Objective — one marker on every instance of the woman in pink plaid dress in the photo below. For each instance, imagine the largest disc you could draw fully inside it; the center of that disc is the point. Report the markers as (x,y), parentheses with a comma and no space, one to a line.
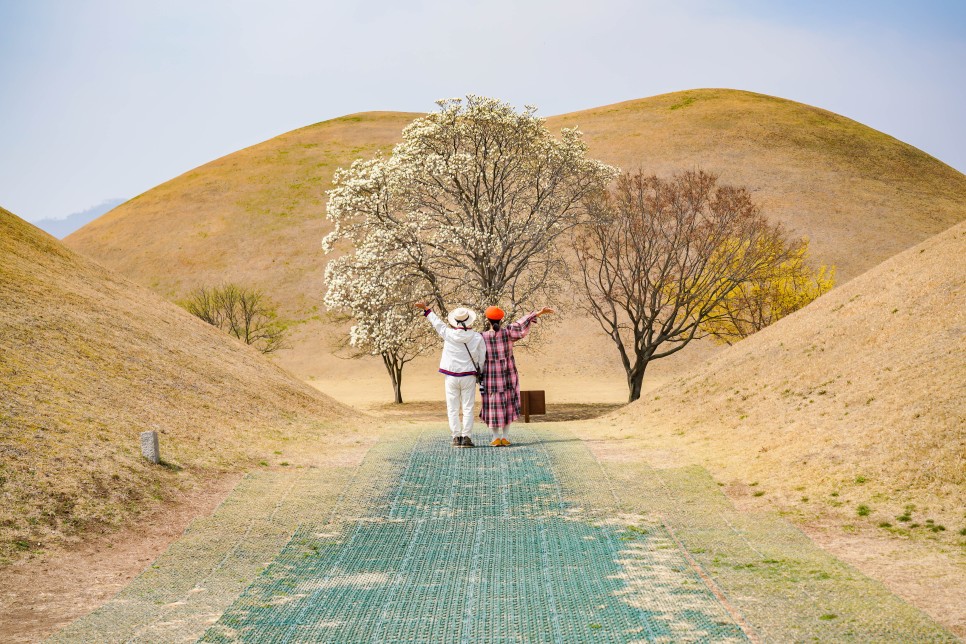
(501,383)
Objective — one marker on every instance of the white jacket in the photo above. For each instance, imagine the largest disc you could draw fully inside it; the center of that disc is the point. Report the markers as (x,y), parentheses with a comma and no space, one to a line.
(456,359)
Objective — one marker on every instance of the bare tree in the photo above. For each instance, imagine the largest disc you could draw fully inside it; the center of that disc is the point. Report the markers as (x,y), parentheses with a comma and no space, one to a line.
(204,303)
(257,323)
(656,257)
(242,312)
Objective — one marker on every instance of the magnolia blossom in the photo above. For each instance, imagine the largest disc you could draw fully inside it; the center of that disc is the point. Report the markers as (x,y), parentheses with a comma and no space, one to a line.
(384,321)
(467,208)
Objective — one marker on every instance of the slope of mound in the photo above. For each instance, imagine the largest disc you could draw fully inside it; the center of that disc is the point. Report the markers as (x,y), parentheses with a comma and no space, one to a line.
(857,399)
(860,195)
(87,361)
(256,216)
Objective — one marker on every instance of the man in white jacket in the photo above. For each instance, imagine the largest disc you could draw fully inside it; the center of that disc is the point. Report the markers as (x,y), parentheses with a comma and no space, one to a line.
(463,354)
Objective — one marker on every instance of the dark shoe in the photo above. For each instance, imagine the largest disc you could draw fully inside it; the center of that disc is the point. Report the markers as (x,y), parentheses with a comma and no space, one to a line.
(457,441)
(468,442)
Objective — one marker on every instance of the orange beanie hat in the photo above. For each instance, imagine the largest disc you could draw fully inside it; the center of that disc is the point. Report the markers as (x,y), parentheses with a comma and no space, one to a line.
(494,313)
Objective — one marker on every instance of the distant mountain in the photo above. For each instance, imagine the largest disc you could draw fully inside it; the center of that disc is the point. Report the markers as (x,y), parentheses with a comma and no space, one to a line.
(60,228)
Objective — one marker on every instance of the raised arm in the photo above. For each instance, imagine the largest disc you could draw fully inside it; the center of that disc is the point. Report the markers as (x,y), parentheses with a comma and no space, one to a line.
(439,326)
(519,329)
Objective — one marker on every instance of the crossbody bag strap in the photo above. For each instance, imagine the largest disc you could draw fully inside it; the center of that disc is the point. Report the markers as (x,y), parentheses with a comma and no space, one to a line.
(475,366)
(479,374)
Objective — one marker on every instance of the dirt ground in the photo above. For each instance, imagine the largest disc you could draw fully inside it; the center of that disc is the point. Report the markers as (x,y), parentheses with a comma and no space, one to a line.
(44,592)
(422,411)
(930,579)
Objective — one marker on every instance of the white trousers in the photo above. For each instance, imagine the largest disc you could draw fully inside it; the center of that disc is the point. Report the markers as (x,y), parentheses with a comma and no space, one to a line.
(460,395)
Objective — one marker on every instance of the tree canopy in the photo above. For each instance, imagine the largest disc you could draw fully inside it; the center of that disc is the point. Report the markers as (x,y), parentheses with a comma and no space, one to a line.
(657,259)
(465,211)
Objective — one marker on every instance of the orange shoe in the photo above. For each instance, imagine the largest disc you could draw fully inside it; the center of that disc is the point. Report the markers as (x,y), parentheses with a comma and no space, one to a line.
(496,442)
(505,442)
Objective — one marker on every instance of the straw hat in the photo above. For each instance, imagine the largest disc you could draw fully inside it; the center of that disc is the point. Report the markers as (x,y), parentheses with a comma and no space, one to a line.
(461,316)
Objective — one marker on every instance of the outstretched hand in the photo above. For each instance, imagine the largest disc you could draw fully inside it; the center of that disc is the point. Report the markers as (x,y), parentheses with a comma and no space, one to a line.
(420,305)
(545,310)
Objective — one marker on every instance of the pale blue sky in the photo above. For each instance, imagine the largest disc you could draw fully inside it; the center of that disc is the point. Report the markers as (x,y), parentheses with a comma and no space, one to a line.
(108,98)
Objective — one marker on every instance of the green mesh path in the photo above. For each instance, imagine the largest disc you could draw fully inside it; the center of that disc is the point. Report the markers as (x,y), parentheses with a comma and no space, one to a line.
(476,545)
(540,542)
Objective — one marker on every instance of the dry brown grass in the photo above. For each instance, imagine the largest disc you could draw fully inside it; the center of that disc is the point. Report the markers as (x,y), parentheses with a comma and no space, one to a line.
(256,216)
(860,195)
(87,361)
(857,399)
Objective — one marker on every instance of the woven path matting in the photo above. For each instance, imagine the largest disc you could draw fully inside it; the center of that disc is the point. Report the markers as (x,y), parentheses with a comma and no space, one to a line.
(476,545)
(534,543)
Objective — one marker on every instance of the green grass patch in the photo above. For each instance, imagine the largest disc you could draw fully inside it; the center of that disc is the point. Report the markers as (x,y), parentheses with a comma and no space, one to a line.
(684,102)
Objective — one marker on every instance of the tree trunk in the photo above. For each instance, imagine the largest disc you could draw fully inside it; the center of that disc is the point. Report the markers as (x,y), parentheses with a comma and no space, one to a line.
(397,385)
(395,368)
(635,378)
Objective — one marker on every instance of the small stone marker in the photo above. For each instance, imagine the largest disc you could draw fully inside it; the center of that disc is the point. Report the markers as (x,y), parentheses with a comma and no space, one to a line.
(532,403)
(149,447)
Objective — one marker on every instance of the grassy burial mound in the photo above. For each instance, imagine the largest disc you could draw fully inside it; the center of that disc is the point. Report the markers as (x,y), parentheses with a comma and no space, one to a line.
(87,361)
(255,217)
(860,195)
(852,405)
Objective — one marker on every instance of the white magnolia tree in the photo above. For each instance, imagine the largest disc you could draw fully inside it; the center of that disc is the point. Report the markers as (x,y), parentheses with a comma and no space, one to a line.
(467,209)
(379,304)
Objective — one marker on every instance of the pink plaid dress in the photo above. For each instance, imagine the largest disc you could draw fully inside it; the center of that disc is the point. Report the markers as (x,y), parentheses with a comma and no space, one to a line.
(501,402)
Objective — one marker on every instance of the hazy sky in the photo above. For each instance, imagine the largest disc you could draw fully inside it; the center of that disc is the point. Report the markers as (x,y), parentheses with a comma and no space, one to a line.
(102,99)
